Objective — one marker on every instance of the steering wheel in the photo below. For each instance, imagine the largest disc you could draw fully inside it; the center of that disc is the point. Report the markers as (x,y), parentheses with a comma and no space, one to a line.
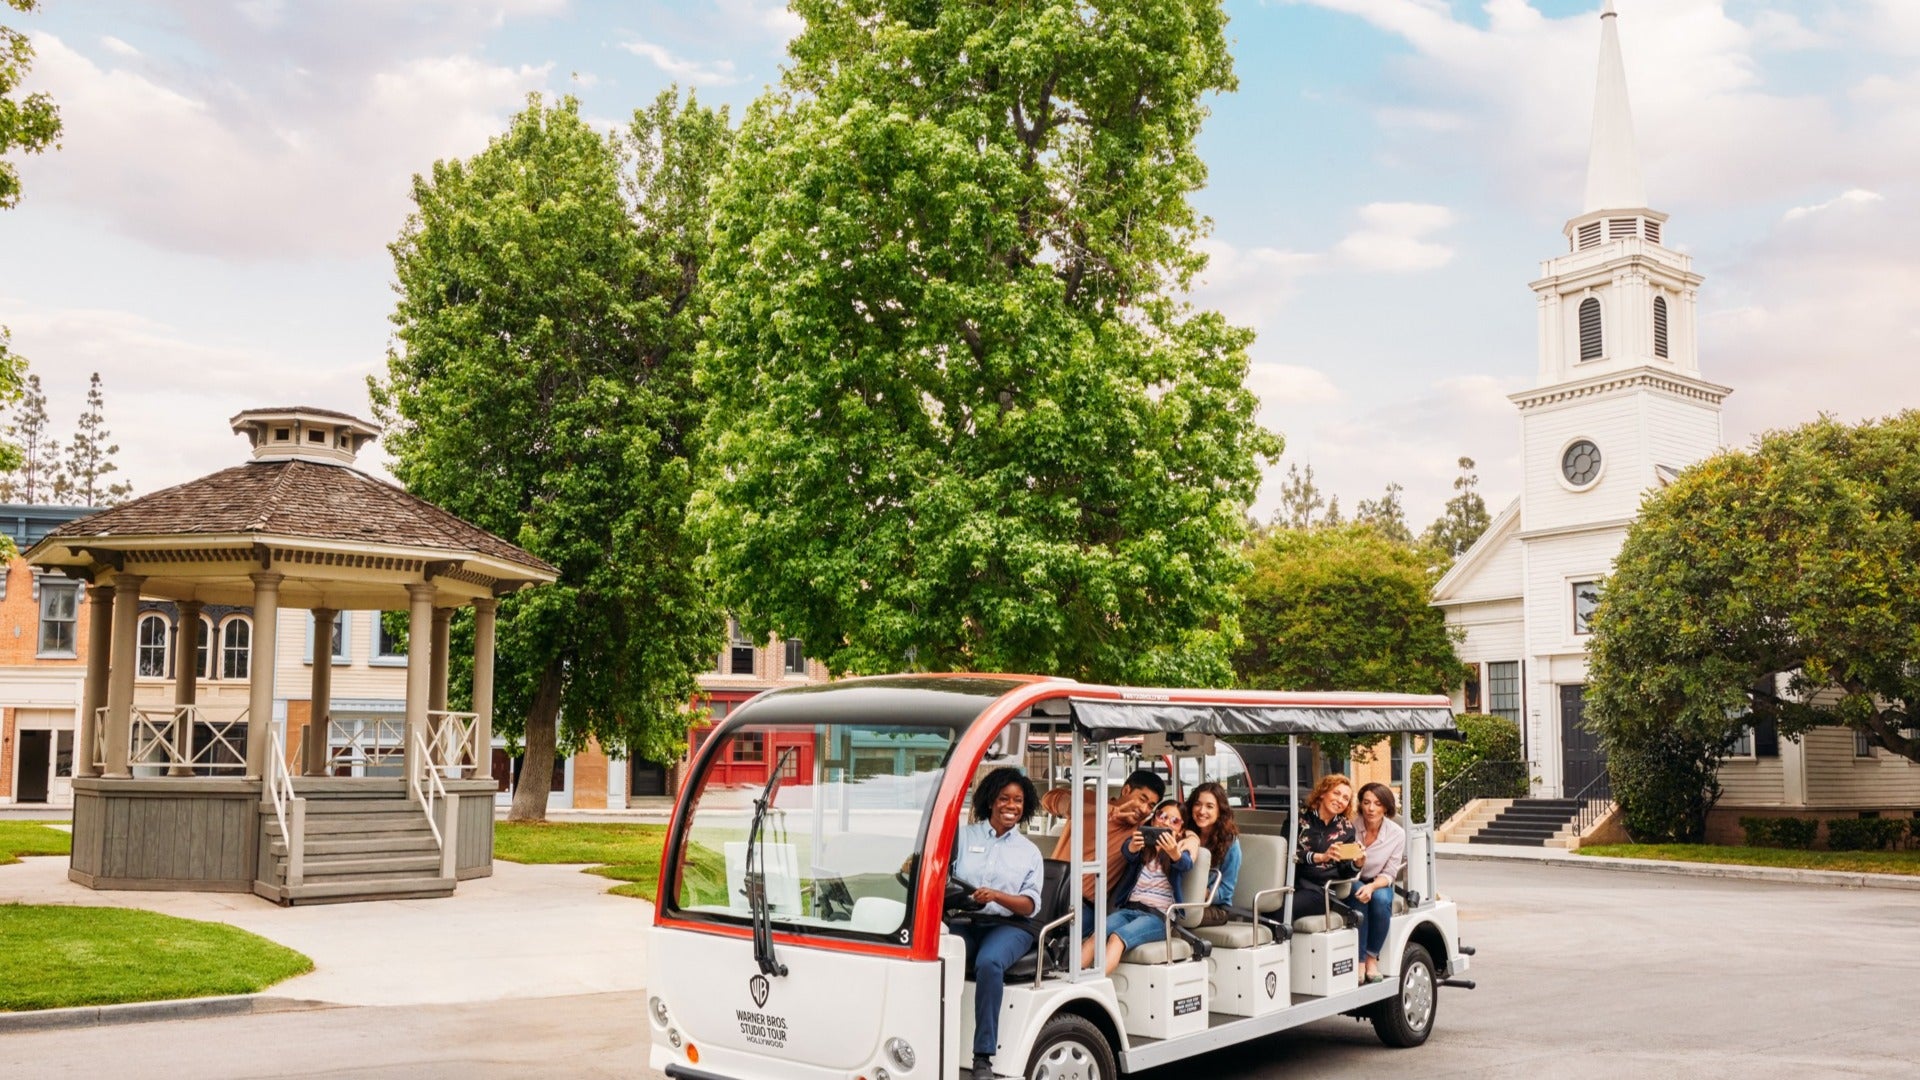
(959,893)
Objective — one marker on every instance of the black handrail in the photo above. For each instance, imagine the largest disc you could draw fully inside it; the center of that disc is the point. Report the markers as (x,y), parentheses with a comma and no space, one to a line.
(1484,779)
(1596,799)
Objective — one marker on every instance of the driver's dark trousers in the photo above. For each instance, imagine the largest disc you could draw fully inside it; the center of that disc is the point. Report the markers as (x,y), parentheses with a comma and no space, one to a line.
(991,950)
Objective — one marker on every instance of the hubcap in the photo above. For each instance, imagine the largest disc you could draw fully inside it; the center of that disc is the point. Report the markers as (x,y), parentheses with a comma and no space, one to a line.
(1068,1060)
(1416,996)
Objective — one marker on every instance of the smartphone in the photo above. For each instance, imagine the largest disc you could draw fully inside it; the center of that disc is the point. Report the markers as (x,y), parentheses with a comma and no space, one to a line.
(1151,834)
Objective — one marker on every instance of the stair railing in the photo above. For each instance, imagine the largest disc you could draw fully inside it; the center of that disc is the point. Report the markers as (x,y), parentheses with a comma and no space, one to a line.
(288,809)
(427,787)
(1484,779)
(1596,800)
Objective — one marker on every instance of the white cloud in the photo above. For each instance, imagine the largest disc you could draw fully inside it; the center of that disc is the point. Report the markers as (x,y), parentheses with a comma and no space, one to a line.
(1390,238)
(1851,197)
(168,396)
(308,165)
(720,73)
(117,47)
(1248,285)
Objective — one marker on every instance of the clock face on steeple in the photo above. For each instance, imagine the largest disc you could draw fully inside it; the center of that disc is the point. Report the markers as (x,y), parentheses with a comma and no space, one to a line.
(1580,463)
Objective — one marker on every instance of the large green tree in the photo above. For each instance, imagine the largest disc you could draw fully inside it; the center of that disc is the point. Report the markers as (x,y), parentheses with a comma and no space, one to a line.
(542,388)
(1344,608)
(90,454)
(1464,518)
(29,124)
(1799,558)
(962,418)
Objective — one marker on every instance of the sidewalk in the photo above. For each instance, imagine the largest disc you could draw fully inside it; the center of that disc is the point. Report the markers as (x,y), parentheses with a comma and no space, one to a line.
(1558,857)
(525,932)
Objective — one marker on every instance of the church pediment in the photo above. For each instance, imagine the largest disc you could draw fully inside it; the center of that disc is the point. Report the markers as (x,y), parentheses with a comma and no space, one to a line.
(1489,570)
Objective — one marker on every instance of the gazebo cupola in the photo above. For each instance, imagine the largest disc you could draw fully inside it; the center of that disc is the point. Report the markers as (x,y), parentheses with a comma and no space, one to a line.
(297,526)
(304,434)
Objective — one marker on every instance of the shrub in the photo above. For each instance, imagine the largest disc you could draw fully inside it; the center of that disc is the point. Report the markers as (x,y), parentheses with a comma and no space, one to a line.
(1664,782)
(1863,834)
(1795,832)
(1785,832)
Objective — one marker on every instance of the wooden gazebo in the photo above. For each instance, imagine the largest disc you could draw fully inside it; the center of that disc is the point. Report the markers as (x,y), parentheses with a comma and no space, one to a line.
(193,798)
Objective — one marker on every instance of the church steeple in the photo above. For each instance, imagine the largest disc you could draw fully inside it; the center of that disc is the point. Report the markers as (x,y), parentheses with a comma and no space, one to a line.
(1613,164)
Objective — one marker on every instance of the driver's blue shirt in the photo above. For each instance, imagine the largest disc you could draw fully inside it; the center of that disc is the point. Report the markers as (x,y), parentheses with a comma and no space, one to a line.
(1007,862)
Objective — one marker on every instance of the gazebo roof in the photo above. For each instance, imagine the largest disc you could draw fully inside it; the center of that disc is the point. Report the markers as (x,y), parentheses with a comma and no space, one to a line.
(297,500)
(340,537)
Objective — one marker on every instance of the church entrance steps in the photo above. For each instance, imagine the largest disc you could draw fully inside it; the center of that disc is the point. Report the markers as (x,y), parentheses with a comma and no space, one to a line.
(1469,818)
(1529,823)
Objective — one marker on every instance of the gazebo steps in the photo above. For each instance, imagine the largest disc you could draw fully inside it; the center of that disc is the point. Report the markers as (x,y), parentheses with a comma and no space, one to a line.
(379,844)
(357,824)
(333,805)
(368,868)
(346,892)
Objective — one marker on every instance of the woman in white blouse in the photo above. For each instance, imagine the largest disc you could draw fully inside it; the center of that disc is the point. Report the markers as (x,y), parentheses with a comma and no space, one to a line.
(1386,846)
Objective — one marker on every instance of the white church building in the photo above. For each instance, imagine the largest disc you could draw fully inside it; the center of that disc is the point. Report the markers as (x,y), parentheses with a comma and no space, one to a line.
(1619,407)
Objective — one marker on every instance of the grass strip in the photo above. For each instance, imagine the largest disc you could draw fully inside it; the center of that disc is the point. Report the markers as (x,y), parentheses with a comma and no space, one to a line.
(19,838)
(628,853)
(57,956)
(1858,862)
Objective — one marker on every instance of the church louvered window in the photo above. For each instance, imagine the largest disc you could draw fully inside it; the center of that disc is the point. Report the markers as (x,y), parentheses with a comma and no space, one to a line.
(1589,235)
(1660,327)
(1590,329)
(1653,231)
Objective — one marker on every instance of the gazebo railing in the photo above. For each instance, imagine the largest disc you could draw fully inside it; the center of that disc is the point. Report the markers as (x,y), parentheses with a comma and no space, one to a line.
(289,811)
(185,736)
(372,743)
(100,740)
(452,741)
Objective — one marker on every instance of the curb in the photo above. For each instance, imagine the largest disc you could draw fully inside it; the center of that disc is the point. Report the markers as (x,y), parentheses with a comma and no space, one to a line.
(1733,871)
(143,1012)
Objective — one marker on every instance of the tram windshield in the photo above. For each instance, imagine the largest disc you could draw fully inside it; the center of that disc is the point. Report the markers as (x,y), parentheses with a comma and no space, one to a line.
(838,840)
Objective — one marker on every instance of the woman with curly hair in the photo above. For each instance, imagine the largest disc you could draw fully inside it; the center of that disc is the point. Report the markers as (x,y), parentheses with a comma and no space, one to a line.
(1006,872)
(1211,817)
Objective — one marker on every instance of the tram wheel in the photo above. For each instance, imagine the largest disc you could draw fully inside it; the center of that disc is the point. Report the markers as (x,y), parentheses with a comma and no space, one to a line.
(1071,1048)
(1407,1018)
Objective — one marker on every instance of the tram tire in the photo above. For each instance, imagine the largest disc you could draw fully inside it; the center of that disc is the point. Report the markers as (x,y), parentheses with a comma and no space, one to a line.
(1406,1019)
(1071,1046)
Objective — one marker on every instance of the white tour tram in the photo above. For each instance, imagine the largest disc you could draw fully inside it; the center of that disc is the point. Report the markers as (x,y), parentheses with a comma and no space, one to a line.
(800,926)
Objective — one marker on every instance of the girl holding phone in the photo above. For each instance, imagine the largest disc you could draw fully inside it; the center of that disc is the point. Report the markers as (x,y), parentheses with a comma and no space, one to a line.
(1156,855)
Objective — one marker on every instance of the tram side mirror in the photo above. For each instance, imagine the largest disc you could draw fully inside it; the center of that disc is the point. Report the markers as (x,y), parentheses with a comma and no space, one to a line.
(1176,743)
(1009,744)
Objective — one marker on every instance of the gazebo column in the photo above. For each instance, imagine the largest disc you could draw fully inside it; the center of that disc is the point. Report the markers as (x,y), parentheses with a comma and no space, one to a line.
(442,634)
(483,614)
(94,693)
(419,672)
(119,732)
(186,683)
(266,628)
(319,733)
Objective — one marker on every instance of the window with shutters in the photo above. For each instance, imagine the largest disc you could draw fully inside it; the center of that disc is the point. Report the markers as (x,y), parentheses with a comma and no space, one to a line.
(1660,327)
(1590,341)
(1589,235)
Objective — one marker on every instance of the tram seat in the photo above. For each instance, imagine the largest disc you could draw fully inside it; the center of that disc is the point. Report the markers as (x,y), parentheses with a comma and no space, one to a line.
(1263,872)
(1193,894)
(1057,897)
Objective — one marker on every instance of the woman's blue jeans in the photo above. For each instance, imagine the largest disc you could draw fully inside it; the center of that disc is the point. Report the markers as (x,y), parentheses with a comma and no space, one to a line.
(1136,928)
(1375,914)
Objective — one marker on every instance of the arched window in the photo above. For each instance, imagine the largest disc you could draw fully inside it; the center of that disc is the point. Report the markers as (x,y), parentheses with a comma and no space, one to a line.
(203,656)
(236,647)
(1590,328)
(1660,327)
(151,659)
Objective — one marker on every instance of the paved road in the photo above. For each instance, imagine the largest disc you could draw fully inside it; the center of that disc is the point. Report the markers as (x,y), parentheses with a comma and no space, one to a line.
(1582,974)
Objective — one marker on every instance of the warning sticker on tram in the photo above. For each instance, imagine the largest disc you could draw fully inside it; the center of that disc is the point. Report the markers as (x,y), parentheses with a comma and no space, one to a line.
(1185,1005)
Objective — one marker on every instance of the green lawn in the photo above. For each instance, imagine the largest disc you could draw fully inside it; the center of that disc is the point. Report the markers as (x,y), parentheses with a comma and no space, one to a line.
(19,838)
(626,853)
(57,956)
(1869,862)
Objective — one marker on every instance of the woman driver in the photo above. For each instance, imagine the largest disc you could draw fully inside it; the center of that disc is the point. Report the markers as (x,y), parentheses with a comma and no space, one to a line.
(1006,871)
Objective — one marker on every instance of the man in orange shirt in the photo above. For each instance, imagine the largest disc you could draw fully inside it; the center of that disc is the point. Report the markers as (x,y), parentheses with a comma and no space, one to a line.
(1125,812)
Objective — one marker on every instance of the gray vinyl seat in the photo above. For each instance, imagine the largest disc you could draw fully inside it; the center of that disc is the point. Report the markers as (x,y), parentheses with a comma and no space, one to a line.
(1193,891)
(1263,872)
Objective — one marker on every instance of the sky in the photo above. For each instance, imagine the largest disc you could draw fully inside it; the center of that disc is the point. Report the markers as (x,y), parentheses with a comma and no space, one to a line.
(211,235)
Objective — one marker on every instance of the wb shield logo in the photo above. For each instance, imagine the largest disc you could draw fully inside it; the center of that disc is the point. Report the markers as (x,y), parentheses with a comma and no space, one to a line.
(1273,984)
(759,986)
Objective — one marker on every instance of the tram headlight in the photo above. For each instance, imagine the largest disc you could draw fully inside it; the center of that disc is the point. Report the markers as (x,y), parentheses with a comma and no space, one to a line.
(659,1010)
(902,1054)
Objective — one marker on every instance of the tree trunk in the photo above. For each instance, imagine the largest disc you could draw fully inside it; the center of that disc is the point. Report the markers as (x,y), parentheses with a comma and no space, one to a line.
(536,768)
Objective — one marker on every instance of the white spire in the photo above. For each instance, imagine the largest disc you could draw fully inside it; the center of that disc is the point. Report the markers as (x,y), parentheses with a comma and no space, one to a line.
(1613,165)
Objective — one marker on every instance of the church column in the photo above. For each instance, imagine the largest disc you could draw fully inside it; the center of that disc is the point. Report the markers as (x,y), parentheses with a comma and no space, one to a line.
(483,616)
(119,731)
(186,684)
(94,693)
(260,668)
(419,671)
(320,705)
